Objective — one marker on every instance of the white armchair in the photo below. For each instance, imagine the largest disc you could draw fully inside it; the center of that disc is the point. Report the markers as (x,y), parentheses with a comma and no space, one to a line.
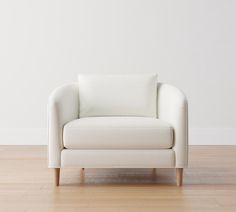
(83,133)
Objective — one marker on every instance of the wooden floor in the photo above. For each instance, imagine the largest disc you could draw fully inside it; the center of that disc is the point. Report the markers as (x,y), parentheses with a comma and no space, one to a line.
(26,184)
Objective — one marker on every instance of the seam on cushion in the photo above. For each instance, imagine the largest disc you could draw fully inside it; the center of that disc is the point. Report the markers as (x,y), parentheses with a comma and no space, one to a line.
(105,127)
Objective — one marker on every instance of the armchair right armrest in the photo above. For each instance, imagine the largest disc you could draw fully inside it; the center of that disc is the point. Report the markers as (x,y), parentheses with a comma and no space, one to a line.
(172,107)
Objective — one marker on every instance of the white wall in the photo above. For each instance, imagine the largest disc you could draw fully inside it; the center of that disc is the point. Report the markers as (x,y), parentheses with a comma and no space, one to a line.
(191,44)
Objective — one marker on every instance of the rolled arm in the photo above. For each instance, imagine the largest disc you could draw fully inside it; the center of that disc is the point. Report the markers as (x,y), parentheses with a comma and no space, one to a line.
(63,106)
(172,107)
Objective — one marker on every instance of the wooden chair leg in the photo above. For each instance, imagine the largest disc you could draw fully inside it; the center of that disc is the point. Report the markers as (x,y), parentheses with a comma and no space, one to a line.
(56,176)
(179,176)
(154,171)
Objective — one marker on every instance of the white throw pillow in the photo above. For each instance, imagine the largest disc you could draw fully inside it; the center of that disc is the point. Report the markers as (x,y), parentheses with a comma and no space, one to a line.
(118,95)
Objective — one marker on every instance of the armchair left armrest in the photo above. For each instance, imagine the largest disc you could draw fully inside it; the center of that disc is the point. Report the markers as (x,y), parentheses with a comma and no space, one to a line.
(63,107)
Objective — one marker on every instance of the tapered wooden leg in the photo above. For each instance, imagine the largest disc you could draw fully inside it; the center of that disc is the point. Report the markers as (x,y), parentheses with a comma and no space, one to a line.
(56,176)
(179,176)
(154,171)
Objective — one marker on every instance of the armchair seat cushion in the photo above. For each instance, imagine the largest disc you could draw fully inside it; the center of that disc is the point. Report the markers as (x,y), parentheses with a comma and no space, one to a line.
(118,133)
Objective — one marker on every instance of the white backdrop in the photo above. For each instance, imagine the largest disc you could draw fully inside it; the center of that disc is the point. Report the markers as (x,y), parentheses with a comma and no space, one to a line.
(191,44)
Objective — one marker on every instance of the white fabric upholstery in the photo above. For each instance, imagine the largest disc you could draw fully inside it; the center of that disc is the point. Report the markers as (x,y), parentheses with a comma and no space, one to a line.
(172,108)
(117,95)
(63,107)
(118,158)
(118,133)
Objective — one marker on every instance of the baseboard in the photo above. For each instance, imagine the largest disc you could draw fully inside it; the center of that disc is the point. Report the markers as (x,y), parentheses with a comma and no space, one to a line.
(212,136)
(197,136)
(23,136)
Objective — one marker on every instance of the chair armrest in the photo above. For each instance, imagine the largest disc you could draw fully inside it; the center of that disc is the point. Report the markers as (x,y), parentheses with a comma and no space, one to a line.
(63,106)
(172,107)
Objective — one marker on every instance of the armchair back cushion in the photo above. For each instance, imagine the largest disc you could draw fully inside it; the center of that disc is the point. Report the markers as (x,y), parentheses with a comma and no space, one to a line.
(118,95)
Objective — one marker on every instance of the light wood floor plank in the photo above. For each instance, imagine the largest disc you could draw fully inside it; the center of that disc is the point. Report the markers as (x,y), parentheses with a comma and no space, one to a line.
(26,184)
